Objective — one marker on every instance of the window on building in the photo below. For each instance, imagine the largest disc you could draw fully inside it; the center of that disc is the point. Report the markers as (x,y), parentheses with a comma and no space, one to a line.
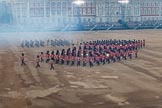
(157,10)
(75,11)
(23,9)
(37,9)
(64,8)
(89,20)
(149,11)
(88,4)
(84,11)
(93,11)
(93,4)
(47,9)
(76,20)
(69,11)
(64,11)
(100,20)
(59,21)
(107,9)
(53,8)
(93,20)
(148,18)
(59,8)
(145,11)
(24,12)
(69,20)
(100,11)
(89,11)
(84,20)
(64,4)
(144,18)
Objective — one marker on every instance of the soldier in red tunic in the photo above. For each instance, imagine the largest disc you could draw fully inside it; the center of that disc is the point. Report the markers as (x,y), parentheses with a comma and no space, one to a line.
(67,59)
(112,54)
(37,61)
(103,59)
(108,58)
(57,56)
(72,60)
(130,54)
(52,64)
(143,43)
(63,56)
(118,55)
(47,57)
(84,61)
(136,52)
(22,60)
(98,59)
(42,57)
(91,61)
(78,61)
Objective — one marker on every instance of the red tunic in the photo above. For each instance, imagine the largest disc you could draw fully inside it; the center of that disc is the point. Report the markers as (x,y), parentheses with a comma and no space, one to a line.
(78,58)
(84,59)
(91,59)
(98,58)
(47,56)
(52,55)
(72,58)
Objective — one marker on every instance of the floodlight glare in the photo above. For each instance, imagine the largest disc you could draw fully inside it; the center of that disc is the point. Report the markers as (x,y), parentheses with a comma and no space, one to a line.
(79,2)
(123,1)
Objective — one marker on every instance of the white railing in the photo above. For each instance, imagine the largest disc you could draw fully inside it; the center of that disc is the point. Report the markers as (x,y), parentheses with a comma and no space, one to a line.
(110,27)
(93,28)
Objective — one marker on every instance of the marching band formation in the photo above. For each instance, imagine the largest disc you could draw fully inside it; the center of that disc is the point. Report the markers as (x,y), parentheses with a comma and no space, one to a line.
(93,53)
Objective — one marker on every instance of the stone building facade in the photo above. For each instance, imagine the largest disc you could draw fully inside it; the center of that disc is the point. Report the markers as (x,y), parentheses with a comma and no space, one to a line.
(64,12)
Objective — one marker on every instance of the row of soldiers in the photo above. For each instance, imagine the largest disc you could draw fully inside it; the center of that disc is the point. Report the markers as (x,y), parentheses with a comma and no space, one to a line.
(31,43)
(41,43)
(93,52)
(59,42)
(38,60)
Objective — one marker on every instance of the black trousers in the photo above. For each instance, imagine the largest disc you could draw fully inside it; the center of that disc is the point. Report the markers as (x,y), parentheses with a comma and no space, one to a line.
(62,61)
(47,60)
(84,63)
(78,63)
(42,60)
(90,64)
(22,63)
(72,63)
(52,67)
(38,65)
(98,62)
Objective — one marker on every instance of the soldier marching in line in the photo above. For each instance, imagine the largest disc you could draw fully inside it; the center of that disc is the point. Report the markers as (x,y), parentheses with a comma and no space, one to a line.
(103,59)
(98,60)
(52,64)
(42,57)
(136,52)
(130,54)
(108,58)
(78,61)
(37,61)
(22,59)
(91,61)
(143,43)
(78,56)
(84,61)
(57,56)
(47,57)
